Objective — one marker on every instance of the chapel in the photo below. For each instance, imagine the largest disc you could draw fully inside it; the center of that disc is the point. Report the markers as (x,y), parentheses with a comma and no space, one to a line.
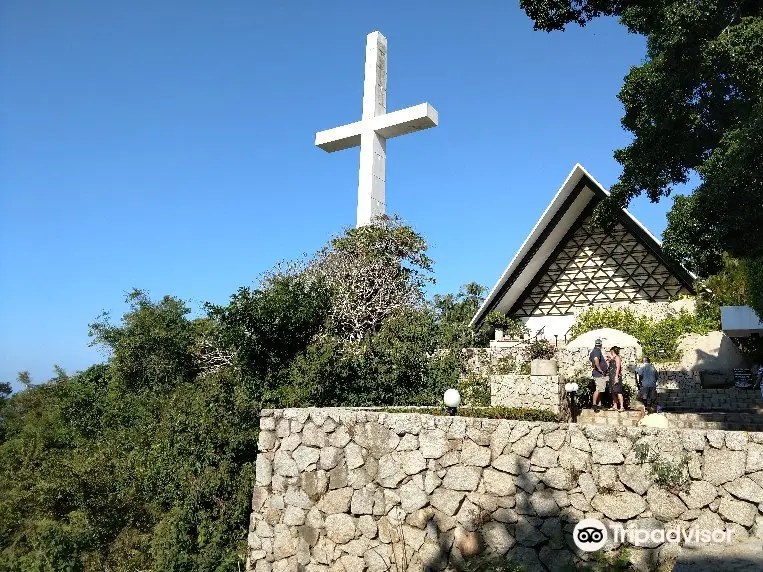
(567,264)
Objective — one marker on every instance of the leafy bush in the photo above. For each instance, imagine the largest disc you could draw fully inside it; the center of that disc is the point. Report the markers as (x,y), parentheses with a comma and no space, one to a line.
(658,339)
(475,389)
(505,365)
(540,349)
(491,563)
(512,326)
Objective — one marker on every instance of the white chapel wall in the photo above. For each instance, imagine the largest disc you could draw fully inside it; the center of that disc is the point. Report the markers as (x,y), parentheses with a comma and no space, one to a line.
(549,326)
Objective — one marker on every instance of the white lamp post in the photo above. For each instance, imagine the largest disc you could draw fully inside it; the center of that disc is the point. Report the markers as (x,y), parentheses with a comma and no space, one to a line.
(452,400)
(571,389)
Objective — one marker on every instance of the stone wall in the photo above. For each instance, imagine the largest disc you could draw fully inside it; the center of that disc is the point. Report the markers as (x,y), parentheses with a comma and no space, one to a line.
(672,375)
(354,490)
(485,360)
(533,391)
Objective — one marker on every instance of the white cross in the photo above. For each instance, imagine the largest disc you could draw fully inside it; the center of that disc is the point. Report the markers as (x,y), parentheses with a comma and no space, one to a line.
(373,130)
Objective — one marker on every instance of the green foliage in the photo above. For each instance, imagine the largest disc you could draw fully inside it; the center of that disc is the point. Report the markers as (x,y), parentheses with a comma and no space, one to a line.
(540,349)
(754,268)
(586,387)
(659,339)
(667,474)
(267,328)
(454,313)
(694,106)
(5,393)
(688,240)
(475,389)
(727,287)
(490,563)
(505,365)
(152,347)
(602,562)
(146,462)
(512,327)
(738,283)
(398,365)
(97,475)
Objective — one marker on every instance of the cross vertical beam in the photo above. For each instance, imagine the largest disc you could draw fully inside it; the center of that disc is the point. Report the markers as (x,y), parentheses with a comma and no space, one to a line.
(373,130)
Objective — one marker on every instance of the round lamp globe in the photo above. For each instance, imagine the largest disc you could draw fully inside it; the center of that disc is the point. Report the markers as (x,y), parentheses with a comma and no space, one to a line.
(452,398)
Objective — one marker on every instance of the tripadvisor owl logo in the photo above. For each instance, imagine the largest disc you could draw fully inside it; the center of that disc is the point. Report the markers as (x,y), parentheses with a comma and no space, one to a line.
(589,535)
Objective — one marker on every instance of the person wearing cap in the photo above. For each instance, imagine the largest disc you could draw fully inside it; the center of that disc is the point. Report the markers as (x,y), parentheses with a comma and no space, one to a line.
(615,371)
(599,373)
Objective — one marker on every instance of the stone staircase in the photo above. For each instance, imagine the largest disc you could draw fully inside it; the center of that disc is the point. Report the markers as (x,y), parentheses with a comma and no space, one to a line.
(729,409)
(725,400)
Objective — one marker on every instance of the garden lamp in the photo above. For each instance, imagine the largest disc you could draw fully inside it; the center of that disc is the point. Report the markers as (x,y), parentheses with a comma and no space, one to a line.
(571,389)
(452,400)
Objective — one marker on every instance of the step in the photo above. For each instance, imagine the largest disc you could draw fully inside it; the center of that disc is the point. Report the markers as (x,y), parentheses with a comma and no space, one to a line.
(735,421)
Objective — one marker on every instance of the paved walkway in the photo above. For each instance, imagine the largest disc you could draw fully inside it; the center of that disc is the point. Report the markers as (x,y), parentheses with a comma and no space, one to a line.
(741,557)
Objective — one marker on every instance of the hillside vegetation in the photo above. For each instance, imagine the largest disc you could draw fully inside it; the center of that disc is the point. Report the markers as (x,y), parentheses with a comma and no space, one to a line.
(146,462)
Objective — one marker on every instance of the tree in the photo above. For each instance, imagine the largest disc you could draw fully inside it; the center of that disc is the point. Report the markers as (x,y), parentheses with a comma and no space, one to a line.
(373,271)
(153,346)
(454,312)
(695,105)
(264,329)
(5,393)
(690,241)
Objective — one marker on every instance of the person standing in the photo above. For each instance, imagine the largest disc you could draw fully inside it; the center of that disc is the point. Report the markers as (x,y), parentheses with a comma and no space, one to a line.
(599,373)
(647,382)
(615,371)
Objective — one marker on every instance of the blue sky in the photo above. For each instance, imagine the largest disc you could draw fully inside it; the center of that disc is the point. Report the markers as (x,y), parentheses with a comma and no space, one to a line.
(169,145)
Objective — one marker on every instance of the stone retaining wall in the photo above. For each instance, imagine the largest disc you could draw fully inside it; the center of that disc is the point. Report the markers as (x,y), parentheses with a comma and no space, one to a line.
(352,490)
(532,391)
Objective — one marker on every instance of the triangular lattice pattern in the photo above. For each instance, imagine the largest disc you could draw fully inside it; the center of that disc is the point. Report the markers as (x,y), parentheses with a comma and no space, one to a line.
(596,266)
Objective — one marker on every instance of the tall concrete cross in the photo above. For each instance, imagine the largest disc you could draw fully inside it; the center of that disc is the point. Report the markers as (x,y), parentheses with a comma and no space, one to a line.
(373,130)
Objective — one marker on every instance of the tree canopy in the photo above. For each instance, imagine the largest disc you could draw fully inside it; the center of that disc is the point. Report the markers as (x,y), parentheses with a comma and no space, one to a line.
(694,106)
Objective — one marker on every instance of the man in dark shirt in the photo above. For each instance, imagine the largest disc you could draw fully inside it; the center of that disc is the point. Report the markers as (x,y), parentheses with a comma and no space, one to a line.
(599,373)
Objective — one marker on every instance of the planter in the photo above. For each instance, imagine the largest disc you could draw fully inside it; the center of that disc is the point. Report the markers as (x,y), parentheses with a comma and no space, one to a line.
(543,367)
(498,335)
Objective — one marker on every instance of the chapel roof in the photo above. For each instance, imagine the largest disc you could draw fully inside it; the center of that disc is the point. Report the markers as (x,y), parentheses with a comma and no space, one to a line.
(564,243)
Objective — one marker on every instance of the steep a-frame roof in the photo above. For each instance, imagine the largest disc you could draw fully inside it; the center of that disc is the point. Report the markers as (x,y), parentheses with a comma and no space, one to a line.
(566,214)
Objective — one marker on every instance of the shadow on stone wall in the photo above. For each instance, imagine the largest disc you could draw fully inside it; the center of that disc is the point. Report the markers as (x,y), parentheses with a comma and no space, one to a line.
(351,490)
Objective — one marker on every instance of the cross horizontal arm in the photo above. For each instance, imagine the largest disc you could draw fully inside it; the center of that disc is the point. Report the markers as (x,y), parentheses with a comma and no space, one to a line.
(339,138)
(389,125)
(408,120)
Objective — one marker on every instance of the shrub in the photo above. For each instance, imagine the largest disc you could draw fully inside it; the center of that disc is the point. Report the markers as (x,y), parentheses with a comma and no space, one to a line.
(540,349)
(475,389)
(505,365)
(658,338)
(512,326)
